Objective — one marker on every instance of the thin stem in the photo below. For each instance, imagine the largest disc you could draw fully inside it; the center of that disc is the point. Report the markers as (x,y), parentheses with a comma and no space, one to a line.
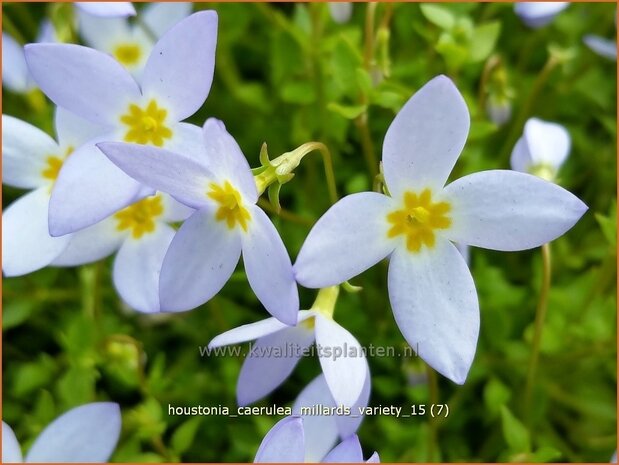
(366,143)
(362,120)
(525,110)
(540,316)
(432,434)
(327,161)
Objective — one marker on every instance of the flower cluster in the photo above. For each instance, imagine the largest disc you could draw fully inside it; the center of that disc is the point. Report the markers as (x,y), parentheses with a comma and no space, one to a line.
(125,170)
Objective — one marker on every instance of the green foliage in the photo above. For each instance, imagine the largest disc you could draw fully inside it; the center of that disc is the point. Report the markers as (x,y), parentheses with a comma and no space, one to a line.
(287,74)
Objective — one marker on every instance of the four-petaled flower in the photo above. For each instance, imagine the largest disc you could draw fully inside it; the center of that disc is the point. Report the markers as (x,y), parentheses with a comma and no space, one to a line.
(279,348)
(88,433)
(31,159)
(430,286)
(285,443)
(129,43)
(542,149)
(175,82)
(207,247)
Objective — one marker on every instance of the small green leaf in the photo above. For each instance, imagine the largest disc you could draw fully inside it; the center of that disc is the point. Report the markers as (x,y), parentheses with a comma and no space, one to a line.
(347,111)
(484,40)
(515,433)
(438,15)
(298,92)
(545,454)
(184,435)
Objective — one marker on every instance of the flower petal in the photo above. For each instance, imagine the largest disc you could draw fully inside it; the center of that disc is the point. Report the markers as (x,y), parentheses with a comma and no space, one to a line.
(89,188)
(25,149)
(348,239)
(201,258)
(603,47)
(507,210)
(549,143)
(180,66)
(169,172)
(348,425)
(340,11)
(15,75)
(520,159)
(88,433)
(283,443)
(188,141)
(26,243)
(137,268)
(270,362)
(226,160)
(47,33)
(107,9)
(11,451)
(85,81)
(91,244)
(345,368)
(435,306)
(425,138)
(159,17)
(73,131)
(321,431)
(348,451)
(537,14)
(374,458)
(268,268)
(173,210)
(103,32)
(254,331)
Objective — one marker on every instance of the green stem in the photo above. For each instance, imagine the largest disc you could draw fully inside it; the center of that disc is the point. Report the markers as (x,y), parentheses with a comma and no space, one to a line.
(540,316)
(525,110)
(361,121)
(326,300)
(432,433)
(285,214)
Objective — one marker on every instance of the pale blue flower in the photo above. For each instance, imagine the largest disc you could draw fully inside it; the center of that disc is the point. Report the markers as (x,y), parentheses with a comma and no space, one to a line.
(542,149)
(15,74)
(279,348)
(340,11)
(131,43)
(31,159)
(603,47)
(175,82)
(538,14)
(431,289)
(285,443)
(216,180)
(322,432)
(107,9)
(88,433)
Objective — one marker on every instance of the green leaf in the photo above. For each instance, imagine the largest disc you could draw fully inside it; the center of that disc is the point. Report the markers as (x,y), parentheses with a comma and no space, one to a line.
(347,111)
(484,40)
(515,433)
(481,129)
(438,15)
(608,225)
(16,312)
(184,435)
(545,454)
(298,92)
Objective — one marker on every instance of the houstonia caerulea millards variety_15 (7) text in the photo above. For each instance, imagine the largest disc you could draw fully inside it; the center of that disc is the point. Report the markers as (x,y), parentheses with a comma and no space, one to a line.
(279,348)
(173,85)
(431,289)
(285,443)
(88,433)
(218,183)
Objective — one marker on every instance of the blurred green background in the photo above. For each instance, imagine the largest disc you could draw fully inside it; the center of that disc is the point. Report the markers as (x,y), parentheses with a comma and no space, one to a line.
(287,74)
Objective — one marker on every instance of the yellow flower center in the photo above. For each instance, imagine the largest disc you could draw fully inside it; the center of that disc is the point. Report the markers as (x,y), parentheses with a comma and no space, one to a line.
(128,54)
(146,125)
(231,209)
(53,165)
(418,220)
(140,217)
